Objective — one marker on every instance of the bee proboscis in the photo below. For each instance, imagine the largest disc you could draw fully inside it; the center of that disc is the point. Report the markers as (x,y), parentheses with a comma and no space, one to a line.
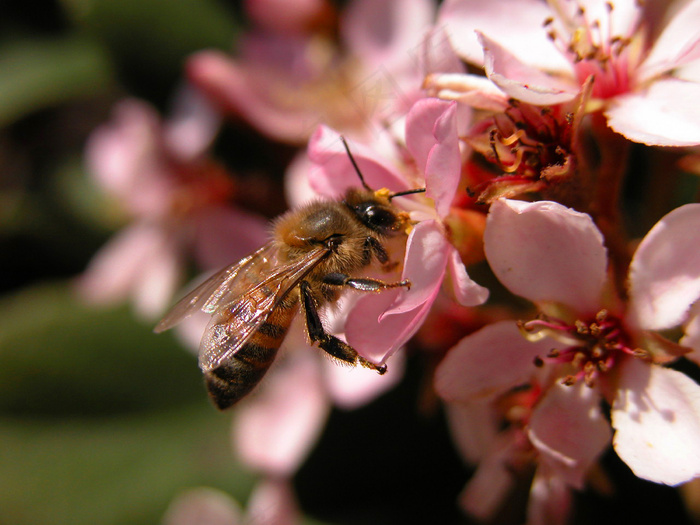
(313,255)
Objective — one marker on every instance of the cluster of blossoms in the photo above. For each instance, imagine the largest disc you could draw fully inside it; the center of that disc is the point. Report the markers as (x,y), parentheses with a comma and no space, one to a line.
(518,117)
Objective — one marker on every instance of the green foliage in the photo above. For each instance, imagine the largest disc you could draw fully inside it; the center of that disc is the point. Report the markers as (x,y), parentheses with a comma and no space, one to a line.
(154,36)
(42,72)
(60,356)
(97,421)
(112,470)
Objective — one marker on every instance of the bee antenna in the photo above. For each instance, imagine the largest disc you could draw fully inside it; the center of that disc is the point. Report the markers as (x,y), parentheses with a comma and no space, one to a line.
(407,192)
(354,164)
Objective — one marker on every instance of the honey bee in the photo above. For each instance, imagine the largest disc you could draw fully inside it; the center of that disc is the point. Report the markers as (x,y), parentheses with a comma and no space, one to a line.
(313,254)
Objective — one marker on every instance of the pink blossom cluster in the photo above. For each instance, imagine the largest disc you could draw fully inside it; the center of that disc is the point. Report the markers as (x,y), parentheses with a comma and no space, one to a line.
(519,118)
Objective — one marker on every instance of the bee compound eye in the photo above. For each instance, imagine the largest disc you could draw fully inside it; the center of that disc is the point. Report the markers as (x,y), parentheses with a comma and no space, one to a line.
(376,216)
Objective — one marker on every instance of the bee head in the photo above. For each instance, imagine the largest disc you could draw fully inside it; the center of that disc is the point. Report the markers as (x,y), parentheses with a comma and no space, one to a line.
(374,211)
(374,208)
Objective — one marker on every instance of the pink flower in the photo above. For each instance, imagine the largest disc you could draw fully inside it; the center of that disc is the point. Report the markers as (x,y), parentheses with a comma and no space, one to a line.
(527,148)
(381,323)
(281,16)
(272,503)
(175,197)
(286,84)
(275,428)
(643,57)
(555,257)
(501,421)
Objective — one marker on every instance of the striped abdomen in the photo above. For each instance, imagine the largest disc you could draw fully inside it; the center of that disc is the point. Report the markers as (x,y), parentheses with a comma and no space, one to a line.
(235,378)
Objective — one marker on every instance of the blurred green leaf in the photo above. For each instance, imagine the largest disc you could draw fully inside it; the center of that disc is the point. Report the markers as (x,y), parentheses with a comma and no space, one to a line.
(113,471)
(40,73)
(58,355)
(155,35)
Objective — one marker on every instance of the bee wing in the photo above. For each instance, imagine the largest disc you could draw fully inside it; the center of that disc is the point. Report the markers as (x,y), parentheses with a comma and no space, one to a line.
(234,324)
(222,286)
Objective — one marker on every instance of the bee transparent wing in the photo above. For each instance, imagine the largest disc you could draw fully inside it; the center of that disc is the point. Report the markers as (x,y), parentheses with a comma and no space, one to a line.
(220,286)
(234,324)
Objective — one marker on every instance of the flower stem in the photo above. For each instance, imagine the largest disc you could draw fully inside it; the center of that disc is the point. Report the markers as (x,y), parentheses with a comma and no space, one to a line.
(614,152)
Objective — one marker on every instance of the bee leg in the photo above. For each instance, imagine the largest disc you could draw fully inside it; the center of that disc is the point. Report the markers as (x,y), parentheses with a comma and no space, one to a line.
(374,247)
(362,284)
(327,342)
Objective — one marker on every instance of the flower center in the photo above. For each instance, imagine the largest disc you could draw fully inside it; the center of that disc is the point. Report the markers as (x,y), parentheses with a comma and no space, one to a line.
(531,145)
(592,46)
(593,347)
(526,140)
(199,185)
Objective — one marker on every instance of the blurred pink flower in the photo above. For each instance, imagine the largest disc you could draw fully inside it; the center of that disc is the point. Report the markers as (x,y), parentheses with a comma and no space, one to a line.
(555,257)
(284,17)
(691,339)
(643,57)
(271,503)
(275,428)
(175,197)
(379,324)
(286,84)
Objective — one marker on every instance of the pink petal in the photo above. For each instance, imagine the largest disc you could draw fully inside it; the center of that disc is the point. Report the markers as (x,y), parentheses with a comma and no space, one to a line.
(191,330)
(472,90)
(518,28)
(127,158)
(492,481)
(473,428)
(353,387)
(466,291)
(550,499)
(282,16)
(115,151)
(567,425)
(141,261)
(224,235)
(233,87)
(622,20)
(378,340)
(276,428)
(427,253)
(333,173)
(297,187)
(656,416)
(691,338)
(385,33)
(678,43)
(112,272)
(273,503)
(203,506)
(489,362)
(158,279)
(691,72)
(420,126)
(437,56)
(431,137)
(193,125)
(665,271)
(544,251)
(522,81)
(664,114)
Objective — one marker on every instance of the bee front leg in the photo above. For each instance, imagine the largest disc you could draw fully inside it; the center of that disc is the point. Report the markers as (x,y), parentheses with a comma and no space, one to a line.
(327,342)
(362,284)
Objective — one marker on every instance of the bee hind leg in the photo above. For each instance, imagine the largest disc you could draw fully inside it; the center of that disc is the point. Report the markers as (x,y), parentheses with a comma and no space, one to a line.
(327,342)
